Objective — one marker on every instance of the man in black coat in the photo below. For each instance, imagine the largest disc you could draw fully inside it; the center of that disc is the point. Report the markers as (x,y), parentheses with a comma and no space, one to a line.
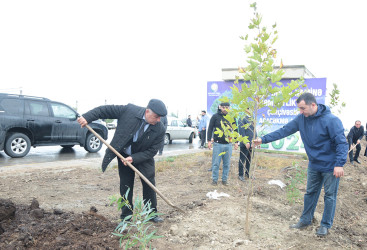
(355,136)
(188,121)
(138,135)
(245,149)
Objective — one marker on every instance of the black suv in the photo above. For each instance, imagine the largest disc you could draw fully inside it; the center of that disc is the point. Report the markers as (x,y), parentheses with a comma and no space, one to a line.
(27,121)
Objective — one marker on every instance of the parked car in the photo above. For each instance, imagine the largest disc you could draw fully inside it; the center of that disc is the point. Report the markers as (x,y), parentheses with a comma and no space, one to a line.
(27,121)
(176,130)
(112,125)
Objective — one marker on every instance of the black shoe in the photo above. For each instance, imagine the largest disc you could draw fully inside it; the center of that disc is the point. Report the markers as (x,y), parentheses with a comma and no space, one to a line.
(241,178)
(214,183)
(157,219)
(323,231)
(356,160)
(225,183)
(299,225)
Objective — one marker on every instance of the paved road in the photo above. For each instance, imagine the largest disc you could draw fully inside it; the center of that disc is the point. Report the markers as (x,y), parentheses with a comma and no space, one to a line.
(57,153)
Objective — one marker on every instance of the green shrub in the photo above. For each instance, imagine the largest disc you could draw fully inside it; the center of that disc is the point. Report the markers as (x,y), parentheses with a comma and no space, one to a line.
(135,228)
(298,178)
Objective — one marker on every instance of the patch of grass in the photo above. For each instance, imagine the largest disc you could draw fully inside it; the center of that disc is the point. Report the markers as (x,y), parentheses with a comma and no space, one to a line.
(297,178)
(180,162)
(170,159)
(282,152)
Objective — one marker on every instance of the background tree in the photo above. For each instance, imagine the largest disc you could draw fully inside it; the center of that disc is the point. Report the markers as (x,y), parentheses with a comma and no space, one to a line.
(258,89)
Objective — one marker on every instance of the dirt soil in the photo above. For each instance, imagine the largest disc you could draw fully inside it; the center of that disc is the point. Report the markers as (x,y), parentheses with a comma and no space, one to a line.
(65,206)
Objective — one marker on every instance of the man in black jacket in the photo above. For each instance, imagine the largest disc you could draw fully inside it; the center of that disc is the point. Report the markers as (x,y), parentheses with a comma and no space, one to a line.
(138,135)
(188,121)
(222,149)
(355,136)
(245,149)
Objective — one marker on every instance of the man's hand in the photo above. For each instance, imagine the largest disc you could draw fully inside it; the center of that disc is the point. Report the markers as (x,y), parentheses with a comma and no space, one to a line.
(358,141)
(82,121)
(235,146)
(128,159)
(338,172)
(209,145)
(248,146)
(257,141)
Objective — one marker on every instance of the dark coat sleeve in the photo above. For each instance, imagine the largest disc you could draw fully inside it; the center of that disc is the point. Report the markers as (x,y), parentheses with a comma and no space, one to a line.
(211,127)
(104,112)
(362,133)
(249,132)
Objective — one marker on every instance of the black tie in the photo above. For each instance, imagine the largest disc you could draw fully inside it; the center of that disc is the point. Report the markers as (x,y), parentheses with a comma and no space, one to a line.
(141,130)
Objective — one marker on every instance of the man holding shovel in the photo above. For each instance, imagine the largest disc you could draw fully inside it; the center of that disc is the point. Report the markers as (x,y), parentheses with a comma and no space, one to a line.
(137,138)
(355,136)
(323,136)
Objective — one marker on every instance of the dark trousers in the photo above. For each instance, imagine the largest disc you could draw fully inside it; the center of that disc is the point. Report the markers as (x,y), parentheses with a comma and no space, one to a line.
(356,155)
(203,137)
(127,176)
(245,158)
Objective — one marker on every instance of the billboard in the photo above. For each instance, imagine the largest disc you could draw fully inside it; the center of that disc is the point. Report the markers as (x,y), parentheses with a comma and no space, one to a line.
(317,86)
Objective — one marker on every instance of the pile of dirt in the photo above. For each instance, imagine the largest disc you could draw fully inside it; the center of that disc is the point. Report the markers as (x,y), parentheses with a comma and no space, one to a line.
(35,228)
(67,208)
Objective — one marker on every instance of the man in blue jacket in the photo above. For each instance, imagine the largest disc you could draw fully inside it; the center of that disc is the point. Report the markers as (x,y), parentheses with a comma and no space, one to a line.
(323,136)
(202,128)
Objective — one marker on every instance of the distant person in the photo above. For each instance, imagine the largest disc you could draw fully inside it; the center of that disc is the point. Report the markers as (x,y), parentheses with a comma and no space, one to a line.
(323,136)
(355,136)
(220,144)
(188,121)
(245,149)
(203,121)
(138,136)
(165,124)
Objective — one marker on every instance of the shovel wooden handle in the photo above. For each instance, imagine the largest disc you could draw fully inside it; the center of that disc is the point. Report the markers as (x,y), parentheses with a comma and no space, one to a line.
(133,168)
(353,147)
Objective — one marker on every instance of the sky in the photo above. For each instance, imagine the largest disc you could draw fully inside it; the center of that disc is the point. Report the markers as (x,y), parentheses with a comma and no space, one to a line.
(88,53)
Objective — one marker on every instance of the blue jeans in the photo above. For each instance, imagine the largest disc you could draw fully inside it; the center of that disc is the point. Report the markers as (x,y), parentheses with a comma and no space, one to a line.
(219,148)
(315,181)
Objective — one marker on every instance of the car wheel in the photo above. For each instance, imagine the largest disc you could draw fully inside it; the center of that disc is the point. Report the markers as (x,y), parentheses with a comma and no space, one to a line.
(17,145)
(92,144)
(67,146)
(166,139)
(190,138)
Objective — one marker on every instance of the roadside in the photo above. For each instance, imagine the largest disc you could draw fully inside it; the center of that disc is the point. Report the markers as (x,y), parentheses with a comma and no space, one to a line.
(68,195)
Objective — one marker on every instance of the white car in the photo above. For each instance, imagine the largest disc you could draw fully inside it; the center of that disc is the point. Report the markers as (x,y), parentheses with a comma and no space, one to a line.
(112,125)
(176,130)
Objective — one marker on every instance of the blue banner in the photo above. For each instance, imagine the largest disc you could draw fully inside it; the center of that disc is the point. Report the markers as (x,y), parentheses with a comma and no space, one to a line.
(317,86)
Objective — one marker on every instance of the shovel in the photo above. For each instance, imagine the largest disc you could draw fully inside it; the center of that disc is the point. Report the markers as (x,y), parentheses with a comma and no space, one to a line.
(133,168)
(353,147)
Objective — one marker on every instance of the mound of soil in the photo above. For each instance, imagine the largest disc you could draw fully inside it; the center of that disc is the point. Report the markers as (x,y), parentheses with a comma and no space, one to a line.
(67,207)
